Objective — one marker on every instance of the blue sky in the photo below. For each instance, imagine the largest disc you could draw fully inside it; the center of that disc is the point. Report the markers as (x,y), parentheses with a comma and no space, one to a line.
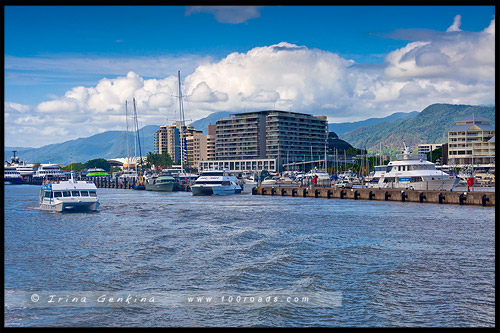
(51,50)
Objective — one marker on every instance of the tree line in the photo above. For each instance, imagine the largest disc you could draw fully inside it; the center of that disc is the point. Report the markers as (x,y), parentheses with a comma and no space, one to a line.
(158,161)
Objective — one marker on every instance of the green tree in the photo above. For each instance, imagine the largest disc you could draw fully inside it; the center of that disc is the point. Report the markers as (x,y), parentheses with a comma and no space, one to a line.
(434,155)
(98,163)
(77,167)
(158,160)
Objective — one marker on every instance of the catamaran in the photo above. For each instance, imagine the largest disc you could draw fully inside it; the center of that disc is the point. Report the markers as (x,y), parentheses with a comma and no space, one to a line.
(59,196)
(216,182)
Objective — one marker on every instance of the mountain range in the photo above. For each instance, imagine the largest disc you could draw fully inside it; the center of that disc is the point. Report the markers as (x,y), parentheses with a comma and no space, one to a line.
(431,125)
(428,126)
(341,128)
(110,144)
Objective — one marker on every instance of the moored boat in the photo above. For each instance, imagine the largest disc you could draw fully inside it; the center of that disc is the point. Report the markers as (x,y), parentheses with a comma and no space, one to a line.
(11,175)
(216,182)
(49,171)
(96,172)
(163,183)
(413,171)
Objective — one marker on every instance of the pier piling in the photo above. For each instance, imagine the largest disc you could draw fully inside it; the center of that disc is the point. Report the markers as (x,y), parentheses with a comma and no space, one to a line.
(486,199)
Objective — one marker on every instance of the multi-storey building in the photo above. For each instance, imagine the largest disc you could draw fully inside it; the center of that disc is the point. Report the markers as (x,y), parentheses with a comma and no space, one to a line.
(271,137)
(425,148)
(168,140)
(210,153)
(471,142)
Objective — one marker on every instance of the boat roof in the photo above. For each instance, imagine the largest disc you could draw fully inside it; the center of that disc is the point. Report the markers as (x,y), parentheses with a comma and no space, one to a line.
(165,177)
(69,185)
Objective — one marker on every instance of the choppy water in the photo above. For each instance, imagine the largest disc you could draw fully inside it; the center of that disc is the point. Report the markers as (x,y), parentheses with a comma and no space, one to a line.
(394,264)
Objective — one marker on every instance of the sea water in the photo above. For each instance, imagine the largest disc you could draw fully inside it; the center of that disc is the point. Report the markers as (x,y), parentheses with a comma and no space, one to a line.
(173,259)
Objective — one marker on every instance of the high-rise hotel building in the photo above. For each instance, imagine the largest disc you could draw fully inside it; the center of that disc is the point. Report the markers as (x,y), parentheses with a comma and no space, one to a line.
(167,140)
(272,137)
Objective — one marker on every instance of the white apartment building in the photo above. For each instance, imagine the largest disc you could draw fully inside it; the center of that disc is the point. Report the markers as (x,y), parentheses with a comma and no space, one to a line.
(472,142)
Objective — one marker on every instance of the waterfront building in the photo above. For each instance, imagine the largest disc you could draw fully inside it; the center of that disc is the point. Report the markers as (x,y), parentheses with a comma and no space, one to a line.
(210,153)
(472,142)
(271,135)
(168,140)
(240,165)
(425,148)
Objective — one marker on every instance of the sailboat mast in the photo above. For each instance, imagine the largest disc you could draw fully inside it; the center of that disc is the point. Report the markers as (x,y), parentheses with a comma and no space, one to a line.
(181,115)
(126,121)
(137,136)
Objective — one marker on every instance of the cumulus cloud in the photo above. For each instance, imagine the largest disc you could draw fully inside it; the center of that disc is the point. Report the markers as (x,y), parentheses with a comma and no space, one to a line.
(450,67)
(227,14)
(456,24)
(203,93)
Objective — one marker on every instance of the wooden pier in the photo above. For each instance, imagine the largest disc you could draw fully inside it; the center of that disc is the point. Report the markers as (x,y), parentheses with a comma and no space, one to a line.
(108,182)
(478,198)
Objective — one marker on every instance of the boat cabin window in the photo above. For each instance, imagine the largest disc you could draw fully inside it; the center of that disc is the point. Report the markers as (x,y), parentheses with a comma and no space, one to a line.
(47,194)
(208,182)
(66,194)
(225,183)
(93,193)
(380,168)
(57,194)
(85,193)
(75,193)
(213,173)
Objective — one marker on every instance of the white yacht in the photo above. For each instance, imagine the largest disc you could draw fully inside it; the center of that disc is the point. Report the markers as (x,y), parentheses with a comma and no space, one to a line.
(59,196)
(374,176)
(23,167)
(11,175)
(412,171)
(216,182)
(323,178)
(250,179)
(128,175)
(49,171)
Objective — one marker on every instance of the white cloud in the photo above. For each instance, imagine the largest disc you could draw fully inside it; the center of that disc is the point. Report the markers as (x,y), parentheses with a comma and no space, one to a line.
(203,93)
(447,67)
(456,24)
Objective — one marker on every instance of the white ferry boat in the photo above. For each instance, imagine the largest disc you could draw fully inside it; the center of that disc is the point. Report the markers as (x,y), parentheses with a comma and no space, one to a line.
(59,196)
(413,171)
(11,175)
(216,182)
(49,171)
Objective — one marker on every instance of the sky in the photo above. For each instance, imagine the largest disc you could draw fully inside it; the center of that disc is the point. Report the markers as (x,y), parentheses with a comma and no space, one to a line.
(68,70)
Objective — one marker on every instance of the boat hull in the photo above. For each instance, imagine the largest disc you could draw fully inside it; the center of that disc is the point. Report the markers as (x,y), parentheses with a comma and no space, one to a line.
(70,206)
(168,187)
(223,190)
(430,185)
(201,190)
(13,181)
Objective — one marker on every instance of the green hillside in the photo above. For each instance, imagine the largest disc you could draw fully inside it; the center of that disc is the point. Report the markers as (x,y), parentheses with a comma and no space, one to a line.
(429,126)
(341,128)
(110,144)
